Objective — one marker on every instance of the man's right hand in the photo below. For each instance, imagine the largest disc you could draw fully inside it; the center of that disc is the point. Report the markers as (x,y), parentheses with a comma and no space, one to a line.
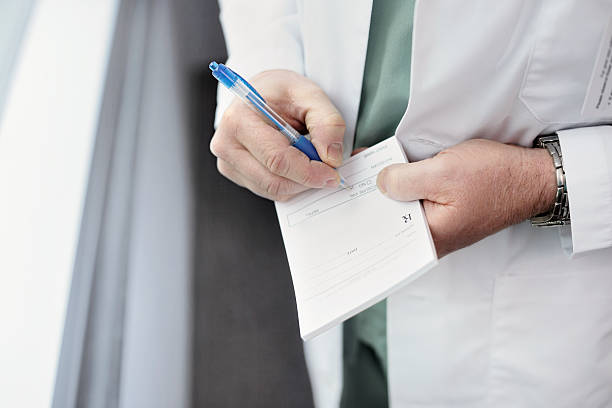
(255,155)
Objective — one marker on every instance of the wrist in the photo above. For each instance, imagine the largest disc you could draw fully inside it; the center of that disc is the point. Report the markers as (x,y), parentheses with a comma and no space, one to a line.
(540,175)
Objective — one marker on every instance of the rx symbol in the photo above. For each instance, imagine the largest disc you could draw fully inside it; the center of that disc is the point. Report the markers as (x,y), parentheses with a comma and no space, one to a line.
(406,218)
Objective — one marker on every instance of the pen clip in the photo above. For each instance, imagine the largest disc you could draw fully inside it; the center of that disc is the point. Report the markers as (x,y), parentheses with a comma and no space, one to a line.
(246,83)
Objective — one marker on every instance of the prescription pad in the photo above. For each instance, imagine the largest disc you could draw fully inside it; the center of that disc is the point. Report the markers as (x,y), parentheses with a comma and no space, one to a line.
(350,248)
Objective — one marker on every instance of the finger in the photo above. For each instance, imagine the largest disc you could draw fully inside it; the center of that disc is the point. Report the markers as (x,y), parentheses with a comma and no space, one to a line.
(252,175)
(272,150)
(323,121)
(443,223)
(358,150)
(255,174)
(234,175)
(228,171)
(408,182)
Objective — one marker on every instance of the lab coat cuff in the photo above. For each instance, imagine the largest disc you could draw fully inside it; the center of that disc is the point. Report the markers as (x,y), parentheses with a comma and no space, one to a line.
(587,161)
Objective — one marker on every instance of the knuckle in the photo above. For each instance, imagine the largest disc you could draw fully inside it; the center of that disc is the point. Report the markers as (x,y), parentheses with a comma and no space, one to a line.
(336,120)
(278,163)
(274,187)
(307,178)
(278,188)
(226,134)
(217,146)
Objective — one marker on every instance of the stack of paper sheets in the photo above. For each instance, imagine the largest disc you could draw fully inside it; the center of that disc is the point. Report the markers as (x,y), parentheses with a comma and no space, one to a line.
(350,248)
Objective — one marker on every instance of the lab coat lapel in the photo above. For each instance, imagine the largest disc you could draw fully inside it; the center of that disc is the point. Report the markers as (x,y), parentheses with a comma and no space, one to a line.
(335,57)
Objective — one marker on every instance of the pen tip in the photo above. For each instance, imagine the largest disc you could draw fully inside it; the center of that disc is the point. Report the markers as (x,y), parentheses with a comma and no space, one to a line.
(213,66)
(344,184)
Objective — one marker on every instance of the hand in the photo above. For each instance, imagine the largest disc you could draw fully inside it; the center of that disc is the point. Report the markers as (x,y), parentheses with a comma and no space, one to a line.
(474,189)
(255,155)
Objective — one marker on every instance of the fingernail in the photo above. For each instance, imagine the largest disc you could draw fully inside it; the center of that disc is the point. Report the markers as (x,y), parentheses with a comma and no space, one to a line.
(381,184)
(332,183)
(382,189)
(334,152)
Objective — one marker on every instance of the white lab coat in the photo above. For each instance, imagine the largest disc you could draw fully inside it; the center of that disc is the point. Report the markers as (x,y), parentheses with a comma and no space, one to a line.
(512,321)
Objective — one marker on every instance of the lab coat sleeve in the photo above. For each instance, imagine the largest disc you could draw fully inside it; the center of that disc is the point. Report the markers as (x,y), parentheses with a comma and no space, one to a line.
(259,35)
(587,161)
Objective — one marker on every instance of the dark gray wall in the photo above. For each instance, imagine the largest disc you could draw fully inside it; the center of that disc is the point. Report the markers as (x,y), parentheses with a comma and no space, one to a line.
(247,351)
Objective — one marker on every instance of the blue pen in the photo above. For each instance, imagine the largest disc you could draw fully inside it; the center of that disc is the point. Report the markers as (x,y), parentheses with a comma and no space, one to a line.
(240,87)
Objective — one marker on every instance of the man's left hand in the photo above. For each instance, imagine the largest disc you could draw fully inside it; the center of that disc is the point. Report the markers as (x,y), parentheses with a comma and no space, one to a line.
(474,189)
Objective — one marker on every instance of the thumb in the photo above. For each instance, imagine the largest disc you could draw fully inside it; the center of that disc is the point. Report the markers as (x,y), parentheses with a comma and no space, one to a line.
(408,182)
(325,125)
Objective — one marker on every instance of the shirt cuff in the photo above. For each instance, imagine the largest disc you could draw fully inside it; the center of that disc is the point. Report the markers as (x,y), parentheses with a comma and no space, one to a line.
(587,162)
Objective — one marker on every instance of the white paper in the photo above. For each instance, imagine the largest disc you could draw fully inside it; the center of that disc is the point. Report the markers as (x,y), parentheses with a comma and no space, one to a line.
(350,248)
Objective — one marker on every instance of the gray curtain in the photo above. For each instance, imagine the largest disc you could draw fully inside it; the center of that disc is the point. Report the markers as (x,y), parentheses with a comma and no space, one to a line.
(127,338)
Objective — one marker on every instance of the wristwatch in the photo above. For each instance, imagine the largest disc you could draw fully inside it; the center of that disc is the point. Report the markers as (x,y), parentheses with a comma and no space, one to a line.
(559,214)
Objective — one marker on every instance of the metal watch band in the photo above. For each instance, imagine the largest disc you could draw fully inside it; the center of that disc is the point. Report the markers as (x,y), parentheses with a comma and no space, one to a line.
(559,214)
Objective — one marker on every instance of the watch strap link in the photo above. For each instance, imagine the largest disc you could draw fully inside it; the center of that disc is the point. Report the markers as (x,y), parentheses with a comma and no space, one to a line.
(559,214)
